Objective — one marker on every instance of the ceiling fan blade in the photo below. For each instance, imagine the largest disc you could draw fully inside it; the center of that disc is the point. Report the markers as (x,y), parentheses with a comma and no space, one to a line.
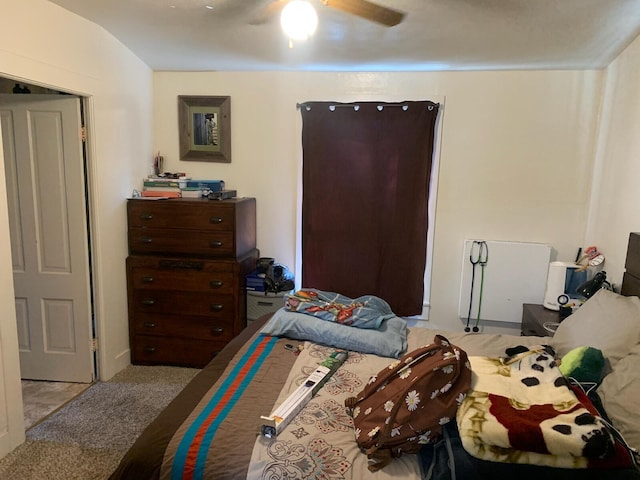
(268,13)
(370,11)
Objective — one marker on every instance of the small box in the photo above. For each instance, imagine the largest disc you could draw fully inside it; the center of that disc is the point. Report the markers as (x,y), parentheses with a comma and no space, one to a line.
(255,282)
(259,303)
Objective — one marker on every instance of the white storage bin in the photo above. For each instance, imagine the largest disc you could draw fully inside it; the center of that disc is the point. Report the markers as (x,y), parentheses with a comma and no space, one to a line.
(259,304)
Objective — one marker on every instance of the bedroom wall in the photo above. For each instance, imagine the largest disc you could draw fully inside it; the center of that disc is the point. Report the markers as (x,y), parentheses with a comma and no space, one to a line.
(43,44)
(615,209)
(515,160)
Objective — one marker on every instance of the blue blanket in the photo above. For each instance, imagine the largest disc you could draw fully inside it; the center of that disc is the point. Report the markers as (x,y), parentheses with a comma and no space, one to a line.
(367,311)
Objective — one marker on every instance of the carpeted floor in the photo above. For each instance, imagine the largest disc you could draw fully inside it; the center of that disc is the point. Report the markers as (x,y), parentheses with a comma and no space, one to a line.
(86,438)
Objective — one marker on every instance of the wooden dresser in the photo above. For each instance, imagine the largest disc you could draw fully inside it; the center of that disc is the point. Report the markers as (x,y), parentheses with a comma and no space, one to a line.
(185,277)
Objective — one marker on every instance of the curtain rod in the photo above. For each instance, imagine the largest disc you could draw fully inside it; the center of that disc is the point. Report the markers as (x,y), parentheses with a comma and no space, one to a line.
(356,107)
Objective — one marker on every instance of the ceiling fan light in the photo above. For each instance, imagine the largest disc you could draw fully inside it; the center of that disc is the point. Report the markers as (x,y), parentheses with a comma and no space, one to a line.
(299,20)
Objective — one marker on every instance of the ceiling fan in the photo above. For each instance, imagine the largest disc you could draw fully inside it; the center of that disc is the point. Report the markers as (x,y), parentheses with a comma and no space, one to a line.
(360,8)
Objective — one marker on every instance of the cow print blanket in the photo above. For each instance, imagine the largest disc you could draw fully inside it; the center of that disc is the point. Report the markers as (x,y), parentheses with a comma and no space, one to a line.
(521,410)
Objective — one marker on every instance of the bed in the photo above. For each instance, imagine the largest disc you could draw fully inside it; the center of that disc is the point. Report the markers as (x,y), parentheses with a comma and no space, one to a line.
(211,429)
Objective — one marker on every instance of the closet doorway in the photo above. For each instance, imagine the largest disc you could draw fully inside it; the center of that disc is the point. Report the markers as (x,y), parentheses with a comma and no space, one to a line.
(45,168)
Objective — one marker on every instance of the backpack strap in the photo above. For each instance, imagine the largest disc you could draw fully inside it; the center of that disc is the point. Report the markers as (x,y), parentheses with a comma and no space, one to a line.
(406,360)
(382,458)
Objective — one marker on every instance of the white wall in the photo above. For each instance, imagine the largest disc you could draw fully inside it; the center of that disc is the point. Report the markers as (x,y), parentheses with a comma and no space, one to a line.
(43,44)
(616,201)
(516,153)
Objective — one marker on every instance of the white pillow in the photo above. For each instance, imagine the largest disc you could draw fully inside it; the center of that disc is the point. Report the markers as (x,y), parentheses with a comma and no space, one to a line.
(607,321)
(620,391)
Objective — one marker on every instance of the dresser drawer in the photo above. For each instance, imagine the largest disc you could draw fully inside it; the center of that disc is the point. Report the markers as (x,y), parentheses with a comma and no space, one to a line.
(185,280)
(151,350)
(200,215)
(183,303)
(200,328)
(199,243)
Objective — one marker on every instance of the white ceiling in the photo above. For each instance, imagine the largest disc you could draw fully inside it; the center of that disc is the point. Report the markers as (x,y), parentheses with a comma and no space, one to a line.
(183,35)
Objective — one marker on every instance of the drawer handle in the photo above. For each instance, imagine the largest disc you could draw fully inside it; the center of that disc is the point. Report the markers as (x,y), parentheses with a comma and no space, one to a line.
(265,304)
(215,244)
(149,325)
(146,239)
(216,307)
(215,220)
(217,331)
(216,283)
(146,216)
(149,349)
(181,265)
(147,279)
(148,301)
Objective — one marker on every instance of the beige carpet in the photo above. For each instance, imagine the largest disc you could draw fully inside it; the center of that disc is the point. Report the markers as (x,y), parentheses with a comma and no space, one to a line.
(86,438)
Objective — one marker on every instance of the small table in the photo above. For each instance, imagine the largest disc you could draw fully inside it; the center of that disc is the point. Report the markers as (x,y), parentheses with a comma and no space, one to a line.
(534,317)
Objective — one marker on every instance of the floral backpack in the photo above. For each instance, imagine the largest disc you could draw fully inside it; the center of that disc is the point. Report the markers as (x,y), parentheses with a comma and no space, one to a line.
(405,405)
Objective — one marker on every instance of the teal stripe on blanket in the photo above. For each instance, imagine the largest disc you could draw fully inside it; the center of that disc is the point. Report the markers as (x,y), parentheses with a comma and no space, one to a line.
(184,466)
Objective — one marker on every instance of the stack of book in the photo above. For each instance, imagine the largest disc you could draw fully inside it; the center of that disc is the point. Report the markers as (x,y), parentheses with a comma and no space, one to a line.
(161,187)
(179,187)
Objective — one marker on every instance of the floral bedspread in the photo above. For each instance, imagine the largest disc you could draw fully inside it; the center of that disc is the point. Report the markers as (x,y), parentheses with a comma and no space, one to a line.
(320,442)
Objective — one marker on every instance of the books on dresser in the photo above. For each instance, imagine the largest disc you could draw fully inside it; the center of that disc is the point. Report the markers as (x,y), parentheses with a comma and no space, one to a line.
(161,193)
(180,187)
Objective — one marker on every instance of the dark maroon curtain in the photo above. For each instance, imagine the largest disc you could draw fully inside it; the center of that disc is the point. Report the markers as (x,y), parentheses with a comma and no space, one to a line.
(366,171)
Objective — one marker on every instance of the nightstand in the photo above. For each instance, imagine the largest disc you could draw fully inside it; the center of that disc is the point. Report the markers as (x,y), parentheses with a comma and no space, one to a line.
(534,317)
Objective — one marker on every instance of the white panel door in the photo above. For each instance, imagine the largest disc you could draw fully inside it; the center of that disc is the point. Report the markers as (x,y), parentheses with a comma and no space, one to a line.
(44,169)
(11,411)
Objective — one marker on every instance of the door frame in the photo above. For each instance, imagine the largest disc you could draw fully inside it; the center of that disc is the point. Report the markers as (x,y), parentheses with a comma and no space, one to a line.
(86,113)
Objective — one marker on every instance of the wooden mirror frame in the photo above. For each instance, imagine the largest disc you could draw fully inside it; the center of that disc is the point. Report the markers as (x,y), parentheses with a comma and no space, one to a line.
(219,151)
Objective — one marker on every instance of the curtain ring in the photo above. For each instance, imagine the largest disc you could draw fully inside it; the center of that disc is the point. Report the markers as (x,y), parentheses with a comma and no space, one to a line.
(332,108)
(380,108)
(308,107)
(405,108)
(430,107)
(356,107)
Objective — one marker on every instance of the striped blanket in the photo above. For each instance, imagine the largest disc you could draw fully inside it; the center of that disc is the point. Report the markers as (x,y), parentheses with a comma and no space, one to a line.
(220,439)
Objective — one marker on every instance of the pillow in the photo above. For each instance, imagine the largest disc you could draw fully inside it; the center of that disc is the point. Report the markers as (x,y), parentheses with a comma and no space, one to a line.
(607,321)
(390,340)
(620,391)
